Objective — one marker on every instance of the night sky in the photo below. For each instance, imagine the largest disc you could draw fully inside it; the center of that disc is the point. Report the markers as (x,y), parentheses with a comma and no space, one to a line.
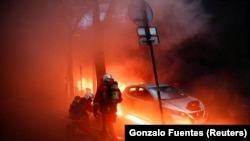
(33,41)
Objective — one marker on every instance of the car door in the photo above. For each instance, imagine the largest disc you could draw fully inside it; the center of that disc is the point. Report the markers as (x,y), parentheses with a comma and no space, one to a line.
(145,104)
(129,100)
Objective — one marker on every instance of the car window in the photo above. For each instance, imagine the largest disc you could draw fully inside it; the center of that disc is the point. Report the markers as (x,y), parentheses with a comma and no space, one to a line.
(144,94)
(167,92)
(140,93)
(137,92)
(132,91)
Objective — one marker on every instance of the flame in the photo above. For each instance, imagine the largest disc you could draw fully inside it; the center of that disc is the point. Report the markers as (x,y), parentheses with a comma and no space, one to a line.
(83,84)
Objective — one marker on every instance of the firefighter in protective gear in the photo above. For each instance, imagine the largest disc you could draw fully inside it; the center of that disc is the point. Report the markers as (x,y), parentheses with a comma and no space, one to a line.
(79,113)
(107,96)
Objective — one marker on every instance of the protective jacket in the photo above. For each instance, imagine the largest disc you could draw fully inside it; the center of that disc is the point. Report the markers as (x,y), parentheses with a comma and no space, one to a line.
(79,108)
(107,97)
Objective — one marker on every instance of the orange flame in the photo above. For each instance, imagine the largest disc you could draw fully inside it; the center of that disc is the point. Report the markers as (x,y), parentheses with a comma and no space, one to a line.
(83,84)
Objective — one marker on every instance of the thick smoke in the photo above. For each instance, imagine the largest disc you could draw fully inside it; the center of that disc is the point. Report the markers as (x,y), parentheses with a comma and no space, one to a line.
(188,54)
(35,39)
(176,21)
(179,20)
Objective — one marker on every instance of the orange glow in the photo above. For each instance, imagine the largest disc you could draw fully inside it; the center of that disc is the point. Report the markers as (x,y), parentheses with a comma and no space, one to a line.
(119,112)
(136,119)
(231,112)
(83,84)
(183,121)
(122,85)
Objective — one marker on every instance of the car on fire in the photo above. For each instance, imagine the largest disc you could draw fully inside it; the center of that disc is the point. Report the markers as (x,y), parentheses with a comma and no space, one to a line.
(141,101)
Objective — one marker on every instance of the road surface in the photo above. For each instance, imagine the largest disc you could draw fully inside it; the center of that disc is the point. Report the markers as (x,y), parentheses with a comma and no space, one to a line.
(26,119)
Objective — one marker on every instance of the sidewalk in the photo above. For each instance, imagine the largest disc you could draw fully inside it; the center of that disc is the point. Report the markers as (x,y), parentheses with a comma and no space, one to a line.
(95,131)
(96,126)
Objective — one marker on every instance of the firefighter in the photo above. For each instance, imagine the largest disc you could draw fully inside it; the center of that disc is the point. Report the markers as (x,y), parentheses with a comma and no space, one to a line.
(107,96)
(79,113)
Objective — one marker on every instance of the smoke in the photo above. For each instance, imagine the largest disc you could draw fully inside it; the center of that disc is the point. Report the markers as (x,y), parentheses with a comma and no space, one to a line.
(176,21)
(220,93)
(33,65)
(34,60)
(179,20)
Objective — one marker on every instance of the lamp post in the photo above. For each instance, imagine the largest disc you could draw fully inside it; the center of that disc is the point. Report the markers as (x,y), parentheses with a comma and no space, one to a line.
(141,14)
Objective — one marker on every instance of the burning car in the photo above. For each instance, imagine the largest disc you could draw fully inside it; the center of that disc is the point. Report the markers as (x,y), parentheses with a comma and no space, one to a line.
(141,101)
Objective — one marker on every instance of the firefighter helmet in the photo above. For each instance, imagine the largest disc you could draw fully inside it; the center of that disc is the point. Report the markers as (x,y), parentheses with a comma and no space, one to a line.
(107,77)
(88,96)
